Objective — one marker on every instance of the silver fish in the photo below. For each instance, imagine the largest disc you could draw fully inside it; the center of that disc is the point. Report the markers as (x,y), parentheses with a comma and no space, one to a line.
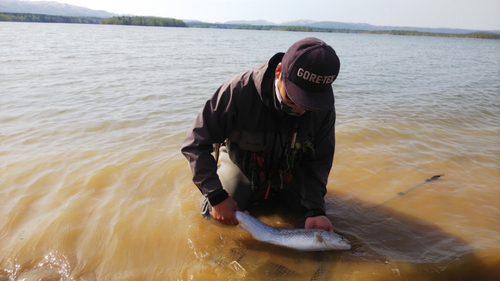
(298,239)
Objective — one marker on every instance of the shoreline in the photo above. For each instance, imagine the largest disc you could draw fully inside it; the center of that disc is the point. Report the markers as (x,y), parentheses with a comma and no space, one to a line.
(170,22)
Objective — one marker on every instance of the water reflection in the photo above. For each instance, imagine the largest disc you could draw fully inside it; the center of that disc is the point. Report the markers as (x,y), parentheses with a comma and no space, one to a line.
(93,187)
(387,245)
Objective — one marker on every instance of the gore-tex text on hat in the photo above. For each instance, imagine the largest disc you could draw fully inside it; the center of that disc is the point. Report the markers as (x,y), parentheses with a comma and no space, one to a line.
(312,77)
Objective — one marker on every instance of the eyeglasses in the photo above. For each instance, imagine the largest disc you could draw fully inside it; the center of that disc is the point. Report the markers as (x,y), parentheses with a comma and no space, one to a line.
(291,103)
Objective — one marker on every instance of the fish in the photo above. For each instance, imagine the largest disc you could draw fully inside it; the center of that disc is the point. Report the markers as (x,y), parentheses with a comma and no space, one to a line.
(298,239)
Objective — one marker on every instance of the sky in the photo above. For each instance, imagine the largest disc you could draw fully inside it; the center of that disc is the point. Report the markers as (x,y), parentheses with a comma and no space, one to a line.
(465,14)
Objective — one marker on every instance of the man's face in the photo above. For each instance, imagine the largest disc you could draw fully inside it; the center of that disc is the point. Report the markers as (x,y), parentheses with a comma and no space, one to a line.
(294,109)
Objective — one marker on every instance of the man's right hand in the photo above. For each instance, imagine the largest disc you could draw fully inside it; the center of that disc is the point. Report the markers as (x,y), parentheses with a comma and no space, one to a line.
(224,211)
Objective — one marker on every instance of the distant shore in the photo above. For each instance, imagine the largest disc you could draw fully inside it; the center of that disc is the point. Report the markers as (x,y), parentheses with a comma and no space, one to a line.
(124,20)
(169,22)
(476,35)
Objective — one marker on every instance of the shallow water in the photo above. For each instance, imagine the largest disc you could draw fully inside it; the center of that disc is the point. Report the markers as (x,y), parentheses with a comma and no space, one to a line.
(93,185)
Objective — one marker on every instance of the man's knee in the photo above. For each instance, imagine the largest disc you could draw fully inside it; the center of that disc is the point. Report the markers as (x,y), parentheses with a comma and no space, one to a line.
(234,181)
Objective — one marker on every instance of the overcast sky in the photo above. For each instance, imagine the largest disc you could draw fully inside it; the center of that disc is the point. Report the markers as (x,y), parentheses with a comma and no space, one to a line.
(467,14)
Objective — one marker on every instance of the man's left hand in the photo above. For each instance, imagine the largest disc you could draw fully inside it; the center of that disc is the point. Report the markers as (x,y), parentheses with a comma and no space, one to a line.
(319,222)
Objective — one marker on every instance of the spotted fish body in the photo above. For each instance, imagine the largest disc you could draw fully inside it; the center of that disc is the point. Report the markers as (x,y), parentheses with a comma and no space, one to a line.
(298,239)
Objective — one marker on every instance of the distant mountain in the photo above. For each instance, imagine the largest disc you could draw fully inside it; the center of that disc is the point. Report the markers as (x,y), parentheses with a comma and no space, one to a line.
(369,27)
(298,23)
(59,9)
(254,22)
(355,26)
(50,8)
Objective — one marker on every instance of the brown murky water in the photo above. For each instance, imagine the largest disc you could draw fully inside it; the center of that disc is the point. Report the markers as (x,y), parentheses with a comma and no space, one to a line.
(93,186)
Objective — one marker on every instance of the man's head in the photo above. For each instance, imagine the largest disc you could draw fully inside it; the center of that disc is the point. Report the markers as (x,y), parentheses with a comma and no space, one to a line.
(307,71)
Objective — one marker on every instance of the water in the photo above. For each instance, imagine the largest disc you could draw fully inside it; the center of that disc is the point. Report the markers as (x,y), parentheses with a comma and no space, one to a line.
(93,185)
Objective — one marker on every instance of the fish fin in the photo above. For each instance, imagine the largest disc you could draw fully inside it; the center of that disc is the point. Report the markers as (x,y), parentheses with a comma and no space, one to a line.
(317,237)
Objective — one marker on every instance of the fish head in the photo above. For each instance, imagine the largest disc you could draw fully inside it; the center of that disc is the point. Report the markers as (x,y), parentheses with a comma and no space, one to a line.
(332,240)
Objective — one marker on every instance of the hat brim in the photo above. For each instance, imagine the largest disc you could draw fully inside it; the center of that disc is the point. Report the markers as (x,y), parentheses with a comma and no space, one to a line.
(315,101)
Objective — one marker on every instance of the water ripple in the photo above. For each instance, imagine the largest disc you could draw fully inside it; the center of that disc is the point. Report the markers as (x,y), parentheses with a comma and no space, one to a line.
(93,185)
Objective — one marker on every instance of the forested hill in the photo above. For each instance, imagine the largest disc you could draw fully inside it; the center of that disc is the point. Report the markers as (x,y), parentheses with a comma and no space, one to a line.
(125,20)
(50,8)
(145,21)
(169,22)
(53,8)
(47,18)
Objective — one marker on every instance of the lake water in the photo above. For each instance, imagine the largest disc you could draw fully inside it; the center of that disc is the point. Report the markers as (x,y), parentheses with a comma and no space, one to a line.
(93,186)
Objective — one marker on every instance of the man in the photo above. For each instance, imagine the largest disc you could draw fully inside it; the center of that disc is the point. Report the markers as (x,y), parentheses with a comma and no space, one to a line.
(276,125)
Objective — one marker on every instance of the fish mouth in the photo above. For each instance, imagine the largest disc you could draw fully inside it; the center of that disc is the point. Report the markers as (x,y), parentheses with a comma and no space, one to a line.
(344,244)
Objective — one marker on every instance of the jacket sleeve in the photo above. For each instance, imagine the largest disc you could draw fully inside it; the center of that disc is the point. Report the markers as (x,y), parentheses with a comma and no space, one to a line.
(210,126)
(316,169)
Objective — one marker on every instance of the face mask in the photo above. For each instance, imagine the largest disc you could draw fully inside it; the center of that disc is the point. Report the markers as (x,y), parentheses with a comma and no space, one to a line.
(288,107)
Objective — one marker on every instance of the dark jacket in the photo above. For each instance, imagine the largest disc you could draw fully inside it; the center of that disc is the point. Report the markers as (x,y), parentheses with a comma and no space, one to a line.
(243,114)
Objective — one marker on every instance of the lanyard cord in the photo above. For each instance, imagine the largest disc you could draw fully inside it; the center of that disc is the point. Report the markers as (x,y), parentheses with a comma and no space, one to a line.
(273,149)
(288,147)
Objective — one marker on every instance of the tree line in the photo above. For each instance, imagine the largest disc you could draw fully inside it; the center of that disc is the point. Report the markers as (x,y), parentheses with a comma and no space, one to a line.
(145,21)
(47,18)
(477,35)
(252,27)
(157,21)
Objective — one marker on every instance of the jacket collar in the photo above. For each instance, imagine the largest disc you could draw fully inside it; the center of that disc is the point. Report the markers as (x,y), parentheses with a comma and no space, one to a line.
(263,76)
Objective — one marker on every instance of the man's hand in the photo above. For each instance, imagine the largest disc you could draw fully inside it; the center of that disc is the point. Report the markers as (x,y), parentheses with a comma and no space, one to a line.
(319,222)
(224,211)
